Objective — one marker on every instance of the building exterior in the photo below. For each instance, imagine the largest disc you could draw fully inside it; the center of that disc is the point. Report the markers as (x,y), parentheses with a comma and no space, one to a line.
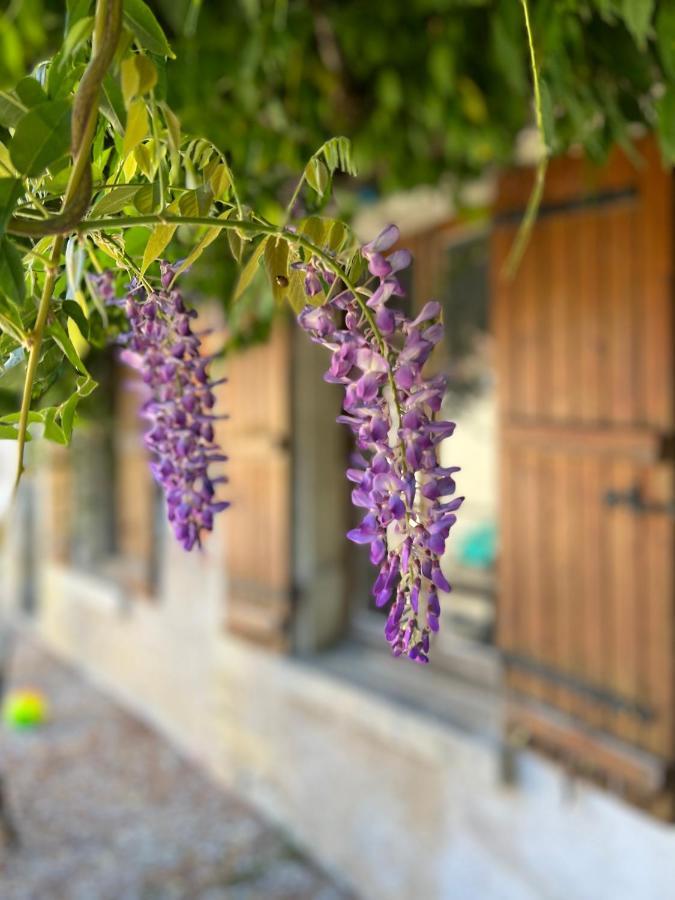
(257,656)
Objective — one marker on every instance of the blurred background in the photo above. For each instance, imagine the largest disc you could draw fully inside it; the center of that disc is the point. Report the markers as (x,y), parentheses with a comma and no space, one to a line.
(533,760)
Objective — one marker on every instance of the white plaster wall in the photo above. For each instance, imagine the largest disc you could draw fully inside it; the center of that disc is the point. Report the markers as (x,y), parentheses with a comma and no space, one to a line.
(398,805)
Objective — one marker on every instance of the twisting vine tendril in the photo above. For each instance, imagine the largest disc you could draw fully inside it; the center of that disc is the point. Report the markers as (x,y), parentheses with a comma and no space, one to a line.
(525,230)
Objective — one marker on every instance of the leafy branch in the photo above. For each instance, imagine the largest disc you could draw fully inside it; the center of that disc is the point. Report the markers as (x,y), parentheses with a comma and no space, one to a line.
(107,27)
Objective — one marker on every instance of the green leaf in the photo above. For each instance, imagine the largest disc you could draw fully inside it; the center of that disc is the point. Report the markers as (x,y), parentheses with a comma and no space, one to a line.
(12,110)
(250,270)
(147,198)
(637,14)
(76,9)
(317,176)
(138,75)
(141,20)
(12,283)
(41,137)
(137,127)
(196,202)
(665,112)
(7,433)
(317,229)
(207,238)
(56,330)
(77,35)
(172,126)
(296,291)
(146,159)
(10,191)
(158,240)
(220,179)
(276,263)
(116,199)
(74,311)
(30,93)
(665,37)
(337,153)
(112,104)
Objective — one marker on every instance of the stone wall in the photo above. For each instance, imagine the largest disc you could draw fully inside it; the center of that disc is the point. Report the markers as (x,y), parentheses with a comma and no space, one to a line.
(397,804)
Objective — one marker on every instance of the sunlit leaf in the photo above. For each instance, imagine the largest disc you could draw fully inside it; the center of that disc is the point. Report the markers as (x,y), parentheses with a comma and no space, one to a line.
(158,240)
(250,270)
(317,176)
(138,75)
(276,263)
(145,160)
(137,127)
(337,154)
(74,311)
(116,199)
(147,198)
(56,330)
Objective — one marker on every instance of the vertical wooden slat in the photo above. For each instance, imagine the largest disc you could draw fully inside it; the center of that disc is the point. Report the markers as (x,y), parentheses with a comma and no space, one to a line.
(258,533)
(589,332)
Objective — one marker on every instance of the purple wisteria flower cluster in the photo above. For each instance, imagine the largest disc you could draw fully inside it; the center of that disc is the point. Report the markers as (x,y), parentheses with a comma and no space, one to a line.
(378,355)
(163,348)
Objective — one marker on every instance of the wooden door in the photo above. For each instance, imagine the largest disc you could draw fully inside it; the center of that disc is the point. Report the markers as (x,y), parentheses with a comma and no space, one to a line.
(258,527)
(584,338)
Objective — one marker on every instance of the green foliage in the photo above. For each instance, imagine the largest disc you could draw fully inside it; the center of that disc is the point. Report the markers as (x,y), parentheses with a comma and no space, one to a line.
(132,188)
(421,87)
(11,273)
(182,149)
(42,137)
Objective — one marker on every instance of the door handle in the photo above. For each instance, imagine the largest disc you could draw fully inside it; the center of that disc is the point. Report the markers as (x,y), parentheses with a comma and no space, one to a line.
(633,499)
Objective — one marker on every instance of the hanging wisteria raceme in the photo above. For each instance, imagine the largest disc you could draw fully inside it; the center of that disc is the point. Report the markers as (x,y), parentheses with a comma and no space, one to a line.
(162,346)
(378,355)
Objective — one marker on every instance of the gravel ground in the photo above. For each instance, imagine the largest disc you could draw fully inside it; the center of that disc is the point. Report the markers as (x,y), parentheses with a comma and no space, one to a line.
(108,810)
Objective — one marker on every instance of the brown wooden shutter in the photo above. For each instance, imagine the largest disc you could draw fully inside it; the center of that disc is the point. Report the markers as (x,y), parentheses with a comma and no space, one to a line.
(584,338)
(258,529)
(135,488)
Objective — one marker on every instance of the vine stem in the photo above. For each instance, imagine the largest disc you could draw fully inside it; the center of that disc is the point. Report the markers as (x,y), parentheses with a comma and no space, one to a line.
(35,341)
(107,26)
(255,228)
(534,201)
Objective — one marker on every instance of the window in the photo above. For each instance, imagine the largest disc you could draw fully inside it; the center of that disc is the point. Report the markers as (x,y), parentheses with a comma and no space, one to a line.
(106,507)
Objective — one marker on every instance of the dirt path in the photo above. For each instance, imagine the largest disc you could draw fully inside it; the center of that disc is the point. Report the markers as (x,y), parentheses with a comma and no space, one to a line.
(108,810)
